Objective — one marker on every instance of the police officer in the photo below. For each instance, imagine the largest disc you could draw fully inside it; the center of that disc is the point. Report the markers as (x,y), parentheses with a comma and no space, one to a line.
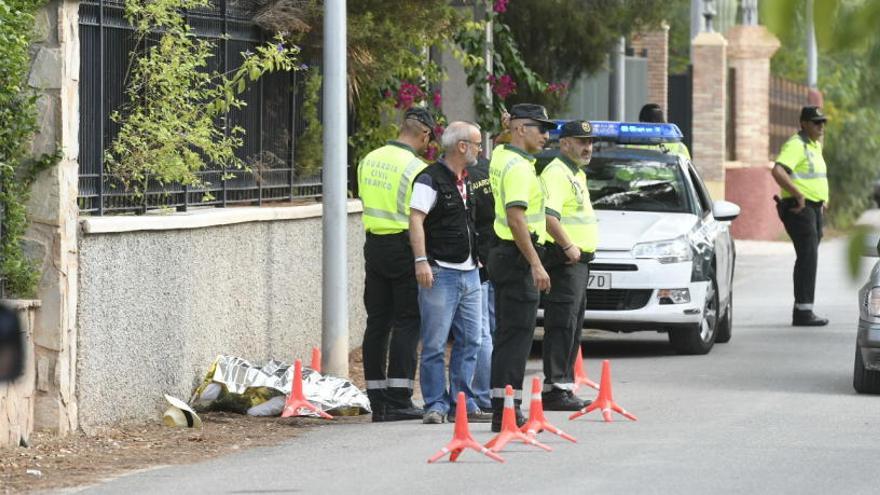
(801,174)
(514,263)
(385,178)
(651,112)
(573,228)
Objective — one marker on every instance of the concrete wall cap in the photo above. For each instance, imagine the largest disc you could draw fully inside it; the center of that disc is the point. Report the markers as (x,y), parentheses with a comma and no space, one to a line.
(204,218)
(20,304)
(709,39)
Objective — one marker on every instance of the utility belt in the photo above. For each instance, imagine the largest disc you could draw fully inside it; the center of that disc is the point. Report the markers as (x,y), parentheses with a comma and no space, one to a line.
(398,235)
(556,256)
(792,202)
(511,245)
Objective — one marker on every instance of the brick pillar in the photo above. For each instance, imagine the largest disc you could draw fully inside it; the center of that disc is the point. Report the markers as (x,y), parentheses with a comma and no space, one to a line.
(655,46)
(748,181)
(52,211)
(709,55)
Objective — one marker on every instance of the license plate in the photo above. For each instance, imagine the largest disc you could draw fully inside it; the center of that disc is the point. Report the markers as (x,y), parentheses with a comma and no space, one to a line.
(599,280)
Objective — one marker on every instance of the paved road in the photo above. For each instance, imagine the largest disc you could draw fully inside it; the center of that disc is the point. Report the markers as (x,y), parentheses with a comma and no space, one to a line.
(773,411)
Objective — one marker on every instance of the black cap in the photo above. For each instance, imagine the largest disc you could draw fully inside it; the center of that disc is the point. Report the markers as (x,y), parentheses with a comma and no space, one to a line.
(813,114)
(576,129)
(531,111)
(651,112)
(421,115)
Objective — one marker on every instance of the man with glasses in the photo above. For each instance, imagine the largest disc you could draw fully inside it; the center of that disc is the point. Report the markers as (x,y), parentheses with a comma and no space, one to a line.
(573,228)
(801,174)
(391,339)
(515,266)
(444,244)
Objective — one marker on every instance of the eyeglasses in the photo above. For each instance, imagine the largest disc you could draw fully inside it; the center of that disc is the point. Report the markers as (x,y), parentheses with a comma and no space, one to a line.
(478,144)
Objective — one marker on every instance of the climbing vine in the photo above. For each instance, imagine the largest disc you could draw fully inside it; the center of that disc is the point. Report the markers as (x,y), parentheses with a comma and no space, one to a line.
(174,121)
(18,168)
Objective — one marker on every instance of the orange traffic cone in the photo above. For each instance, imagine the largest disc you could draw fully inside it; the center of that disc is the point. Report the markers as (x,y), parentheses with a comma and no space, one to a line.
(580,376)
(316,359)
(297,400)
(462,438)
(605,401)
(537,422)
(509,431)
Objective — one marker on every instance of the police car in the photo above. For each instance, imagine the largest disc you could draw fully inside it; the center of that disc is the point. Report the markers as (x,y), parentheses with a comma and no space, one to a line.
(665,259)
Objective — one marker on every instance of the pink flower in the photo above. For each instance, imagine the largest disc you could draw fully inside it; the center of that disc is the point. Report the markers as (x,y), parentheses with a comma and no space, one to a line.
(500,6)
(502,86)
(557,89)
(431,153)
(407,94)
(438,100)
(438,131)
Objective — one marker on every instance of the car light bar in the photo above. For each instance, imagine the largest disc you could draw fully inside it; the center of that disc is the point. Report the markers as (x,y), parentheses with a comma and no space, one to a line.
(629,132)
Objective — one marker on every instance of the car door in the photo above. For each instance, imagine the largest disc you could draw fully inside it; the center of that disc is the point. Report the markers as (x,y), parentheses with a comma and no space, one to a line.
(716,234)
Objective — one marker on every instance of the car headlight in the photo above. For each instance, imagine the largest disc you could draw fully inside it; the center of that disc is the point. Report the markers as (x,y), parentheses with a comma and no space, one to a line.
(671,251)
(873,302)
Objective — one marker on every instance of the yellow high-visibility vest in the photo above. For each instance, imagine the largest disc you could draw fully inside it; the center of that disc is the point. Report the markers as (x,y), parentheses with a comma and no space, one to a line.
(385,178)
(809,173)
(514,183)
(568,199)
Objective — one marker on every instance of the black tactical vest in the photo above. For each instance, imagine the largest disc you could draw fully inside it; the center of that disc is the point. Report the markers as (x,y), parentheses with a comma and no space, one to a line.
(449,226)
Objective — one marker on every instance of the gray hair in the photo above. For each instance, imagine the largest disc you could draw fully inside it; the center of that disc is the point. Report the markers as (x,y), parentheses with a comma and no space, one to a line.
(455,132)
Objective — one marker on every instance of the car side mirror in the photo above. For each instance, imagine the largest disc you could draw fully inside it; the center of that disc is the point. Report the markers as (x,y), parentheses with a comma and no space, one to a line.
(11,345)
(725,211)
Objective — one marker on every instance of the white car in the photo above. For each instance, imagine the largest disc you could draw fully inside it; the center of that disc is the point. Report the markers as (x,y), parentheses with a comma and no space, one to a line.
(666,257)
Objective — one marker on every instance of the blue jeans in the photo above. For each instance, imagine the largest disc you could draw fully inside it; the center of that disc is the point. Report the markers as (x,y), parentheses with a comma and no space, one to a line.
(453,303)
(483,373)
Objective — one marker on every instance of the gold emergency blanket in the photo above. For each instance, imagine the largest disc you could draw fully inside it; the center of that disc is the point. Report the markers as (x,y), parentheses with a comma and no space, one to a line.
(233,383)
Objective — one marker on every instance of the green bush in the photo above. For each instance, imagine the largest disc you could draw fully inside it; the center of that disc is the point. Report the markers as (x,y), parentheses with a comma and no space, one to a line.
(18,123)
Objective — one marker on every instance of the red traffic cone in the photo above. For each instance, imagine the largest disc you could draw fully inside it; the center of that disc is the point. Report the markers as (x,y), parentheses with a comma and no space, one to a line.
(462,438)
(297,400)
(316,359)
(537,422)
(604,402)
(580,376)
(509,431)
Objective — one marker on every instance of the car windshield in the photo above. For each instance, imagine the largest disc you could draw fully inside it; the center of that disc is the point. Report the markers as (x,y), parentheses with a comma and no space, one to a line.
(636,185)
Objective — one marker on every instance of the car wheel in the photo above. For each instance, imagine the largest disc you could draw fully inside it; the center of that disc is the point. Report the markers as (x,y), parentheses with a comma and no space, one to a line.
(865,381)
(725,326)
(700,338)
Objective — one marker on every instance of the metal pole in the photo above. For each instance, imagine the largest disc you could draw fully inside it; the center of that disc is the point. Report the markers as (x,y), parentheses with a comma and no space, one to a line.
(696,21)
(489,55)
(812,52)
(750,12)
(334,300)
(617,88)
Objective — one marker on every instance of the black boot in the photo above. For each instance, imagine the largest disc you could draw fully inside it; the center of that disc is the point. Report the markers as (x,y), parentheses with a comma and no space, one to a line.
(497,414)
(560,400)
(806,318)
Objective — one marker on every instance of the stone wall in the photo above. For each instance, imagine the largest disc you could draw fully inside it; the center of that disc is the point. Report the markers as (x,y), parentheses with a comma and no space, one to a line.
(53,213)
(17,398)
(157,304)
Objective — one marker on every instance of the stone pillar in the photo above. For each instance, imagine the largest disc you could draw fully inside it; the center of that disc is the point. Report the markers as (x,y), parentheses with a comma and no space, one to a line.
(53,211)
(655,46)
(709,108)
(748,181)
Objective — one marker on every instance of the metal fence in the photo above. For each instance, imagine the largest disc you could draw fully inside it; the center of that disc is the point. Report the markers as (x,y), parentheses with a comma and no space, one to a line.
(786,99)
(269,119)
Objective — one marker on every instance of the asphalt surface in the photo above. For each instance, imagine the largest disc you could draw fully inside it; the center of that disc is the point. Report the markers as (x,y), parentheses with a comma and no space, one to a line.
(773,411)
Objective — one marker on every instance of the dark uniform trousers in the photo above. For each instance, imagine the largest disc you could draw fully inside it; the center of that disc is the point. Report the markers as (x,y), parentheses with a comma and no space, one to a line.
(392,333)
(805,230)
(516,307)
(563,320)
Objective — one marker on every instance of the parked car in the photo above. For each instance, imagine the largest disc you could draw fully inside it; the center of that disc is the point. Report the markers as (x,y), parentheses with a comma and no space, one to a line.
(666,258)
(866,369)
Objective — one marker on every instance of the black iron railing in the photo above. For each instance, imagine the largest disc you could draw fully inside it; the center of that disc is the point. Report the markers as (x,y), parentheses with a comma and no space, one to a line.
(269,119)
(786,100)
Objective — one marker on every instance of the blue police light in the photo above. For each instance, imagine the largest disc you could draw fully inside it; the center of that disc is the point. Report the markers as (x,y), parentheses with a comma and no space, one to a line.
(629,132)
